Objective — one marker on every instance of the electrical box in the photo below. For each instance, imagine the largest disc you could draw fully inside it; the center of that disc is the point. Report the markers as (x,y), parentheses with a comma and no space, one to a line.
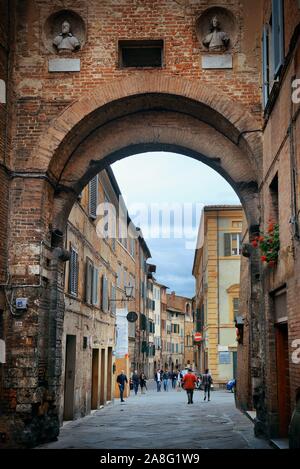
(21,303)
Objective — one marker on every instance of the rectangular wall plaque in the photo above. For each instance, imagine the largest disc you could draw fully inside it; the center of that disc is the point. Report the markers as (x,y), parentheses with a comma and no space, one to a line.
(64,65)
(216,61)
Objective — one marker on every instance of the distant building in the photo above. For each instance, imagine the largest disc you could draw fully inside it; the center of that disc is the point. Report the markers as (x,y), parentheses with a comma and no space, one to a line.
(217,272)
(179,321)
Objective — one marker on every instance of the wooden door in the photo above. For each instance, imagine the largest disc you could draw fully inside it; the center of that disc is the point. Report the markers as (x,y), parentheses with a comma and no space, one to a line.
(95,378)
(283,379)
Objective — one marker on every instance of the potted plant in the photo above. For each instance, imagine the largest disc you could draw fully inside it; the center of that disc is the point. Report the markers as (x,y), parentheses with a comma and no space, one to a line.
(269,244)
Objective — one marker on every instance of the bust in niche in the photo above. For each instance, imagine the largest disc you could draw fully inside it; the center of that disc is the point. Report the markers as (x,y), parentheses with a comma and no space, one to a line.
(217,40)
(65,41)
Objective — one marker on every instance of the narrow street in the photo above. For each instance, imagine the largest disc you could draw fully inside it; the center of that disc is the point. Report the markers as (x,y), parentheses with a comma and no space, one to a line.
(163,420)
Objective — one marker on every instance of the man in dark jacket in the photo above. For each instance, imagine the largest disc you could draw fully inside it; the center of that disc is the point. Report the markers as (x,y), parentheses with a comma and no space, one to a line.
(135,381)
(122,380)
(207,382)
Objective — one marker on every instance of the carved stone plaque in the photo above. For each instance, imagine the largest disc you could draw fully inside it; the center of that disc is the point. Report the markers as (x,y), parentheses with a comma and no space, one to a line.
(217,61)
(64,65)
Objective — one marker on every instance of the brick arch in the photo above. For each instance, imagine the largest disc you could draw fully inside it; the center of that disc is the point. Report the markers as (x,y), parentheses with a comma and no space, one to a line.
(149,131)
(76,122)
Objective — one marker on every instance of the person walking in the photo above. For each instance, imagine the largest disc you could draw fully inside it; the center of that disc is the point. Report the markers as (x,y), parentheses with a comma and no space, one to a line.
(135,381)
(158,379)
(165,378)
(189,382)
(174,379)
(122,380)
(143,383)
(207,382)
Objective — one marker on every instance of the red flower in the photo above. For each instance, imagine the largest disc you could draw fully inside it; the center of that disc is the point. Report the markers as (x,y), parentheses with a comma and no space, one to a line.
(254,244)
(264,258)
(261,239)
(271,227)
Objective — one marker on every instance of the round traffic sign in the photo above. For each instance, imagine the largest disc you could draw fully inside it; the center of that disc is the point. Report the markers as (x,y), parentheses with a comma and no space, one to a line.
(132,316)
(197,337)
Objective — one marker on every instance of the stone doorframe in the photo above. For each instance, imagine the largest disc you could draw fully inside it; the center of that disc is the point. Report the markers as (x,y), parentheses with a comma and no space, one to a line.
(144,112)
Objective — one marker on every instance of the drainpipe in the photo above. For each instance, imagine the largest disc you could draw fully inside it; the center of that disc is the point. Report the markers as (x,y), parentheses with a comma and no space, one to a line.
(218,278)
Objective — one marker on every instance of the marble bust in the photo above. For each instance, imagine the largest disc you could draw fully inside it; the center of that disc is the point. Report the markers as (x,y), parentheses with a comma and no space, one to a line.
(216,40)
(65,41)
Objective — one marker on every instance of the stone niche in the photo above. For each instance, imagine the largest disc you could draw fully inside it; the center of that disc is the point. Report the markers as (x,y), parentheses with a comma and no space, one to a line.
(217,25)
(53,28)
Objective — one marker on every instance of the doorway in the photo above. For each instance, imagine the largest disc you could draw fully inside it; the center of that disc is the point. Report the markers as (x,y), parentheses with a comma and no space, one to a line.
(102,377)
(109,373)
(95,378)
(283,378)
(70,377)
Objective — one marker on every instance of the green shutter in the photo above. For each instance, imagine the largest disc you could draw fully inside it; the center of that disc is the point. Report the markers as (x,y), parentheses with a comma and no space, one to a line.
(277,36)
(227,244)
(265,65)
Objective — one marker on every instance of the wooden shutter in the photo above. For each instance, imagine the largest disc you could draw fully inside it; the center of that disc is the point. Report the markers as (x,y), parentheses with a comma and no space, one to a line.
(227,244)
(277,35)
(73,272)
(95,286)
(113,297)
(265,65)
(93,197)
(104,294)
(89,281)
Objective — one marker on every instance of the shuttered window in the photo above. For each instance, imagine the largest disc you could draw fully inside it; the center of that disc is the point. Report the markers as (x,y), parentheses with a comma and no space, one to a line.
(232,244)
(89,281)
(236,303)
(95,291)
(266,65)
(277,35)
(113,297)
(93,197)
(104,294)
(227,244)
(73,272)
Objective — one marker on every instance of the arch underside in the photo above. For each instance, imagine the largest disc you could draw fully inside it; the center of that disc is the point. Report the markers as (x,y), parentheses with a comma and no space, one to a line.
(152,130)
(146,112)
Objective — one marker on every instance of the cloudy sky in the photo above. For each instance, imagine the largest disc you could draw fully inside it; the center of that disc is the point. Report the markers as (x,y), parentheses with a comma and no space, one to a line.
(155,185)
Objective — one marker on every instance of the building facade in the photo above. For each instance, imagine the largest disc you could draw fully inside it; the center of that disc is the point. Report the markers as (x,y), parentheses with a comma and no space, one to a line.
(216,269)
(61,122)
(180,318)
(102,263)
(278,354)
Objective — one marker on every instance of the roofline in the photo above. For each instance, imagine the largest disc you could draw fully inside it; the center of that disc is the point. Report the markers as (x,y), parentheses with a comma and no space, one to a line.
(208,208)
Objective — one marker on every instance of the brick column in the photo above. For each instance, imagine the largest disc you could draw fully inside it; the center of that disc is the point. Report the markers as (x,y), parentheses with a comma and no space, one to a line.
(32,373)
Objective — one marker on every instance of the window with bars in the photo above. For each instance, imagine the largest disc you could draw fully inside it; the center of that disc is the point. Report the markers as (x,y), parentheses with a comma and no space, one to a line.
(73,272)
(93,197)
(232,244)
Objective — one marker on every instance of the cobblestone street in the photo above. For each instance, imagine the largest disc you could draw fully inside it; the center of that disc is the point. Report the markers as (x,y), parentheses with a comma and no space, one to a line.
(163,420)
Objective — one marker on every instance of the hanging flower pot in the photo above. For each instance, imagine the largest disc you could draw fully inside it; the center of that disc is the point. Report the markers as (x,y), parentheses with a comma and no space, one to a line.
(269,244)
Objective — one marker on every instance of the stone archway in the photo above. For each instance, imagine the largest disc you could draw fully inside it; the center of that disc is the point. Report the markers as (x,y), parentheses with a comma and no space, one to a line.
(138,114)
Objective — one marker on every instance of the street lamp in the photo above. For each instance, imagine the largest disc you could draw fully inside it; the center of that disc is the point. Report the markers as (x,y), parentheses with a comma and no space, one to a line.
(128,291)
